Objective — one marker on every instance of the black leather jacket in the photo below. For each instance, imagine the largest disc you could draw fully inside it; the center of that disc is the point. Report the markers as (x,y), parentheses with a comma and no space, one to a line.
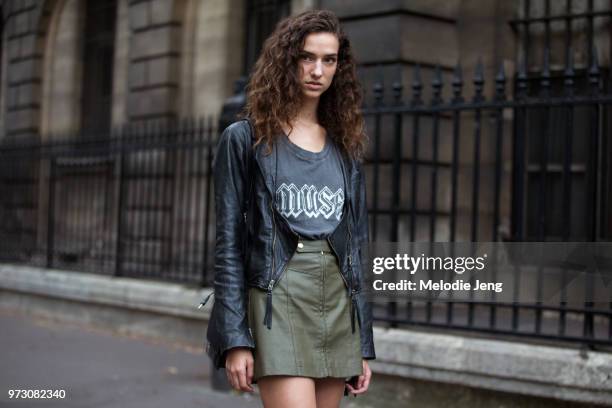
(254,244)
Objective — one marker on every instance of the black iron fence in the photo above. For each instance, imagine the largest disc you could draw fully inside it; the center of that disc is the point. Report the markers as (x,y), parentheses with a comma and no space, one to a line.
(529,167)
(533,167)
(135,203)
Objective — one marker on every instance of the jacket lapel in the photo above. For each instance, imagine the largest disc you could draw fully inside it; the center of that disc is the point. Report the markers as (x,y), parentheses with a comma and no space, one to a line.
(267,162)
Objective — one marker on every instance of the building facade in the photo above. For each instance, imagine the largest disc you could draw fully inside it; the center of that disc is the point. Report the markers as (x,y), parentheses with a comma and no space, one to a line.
(75,64)
(76,69)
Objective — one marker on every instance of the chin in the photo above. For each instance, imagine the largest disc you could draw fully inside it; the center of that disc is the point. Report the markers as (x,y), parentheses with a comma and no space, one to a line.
(309,93)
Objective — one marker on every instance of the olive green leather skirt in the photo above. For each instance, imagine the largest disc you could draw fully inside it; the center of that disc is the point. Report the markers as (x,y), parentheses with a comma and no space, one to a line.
(310,334)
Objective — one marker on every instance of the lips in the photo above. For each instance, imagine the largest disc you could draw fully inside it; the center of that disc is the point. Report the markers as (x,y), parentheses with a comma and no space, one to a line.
(314,85)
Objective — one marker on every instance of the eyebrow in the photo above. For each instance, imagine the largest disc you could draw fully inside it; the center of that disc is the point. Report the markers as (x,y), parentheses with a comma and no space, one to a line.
(326,55)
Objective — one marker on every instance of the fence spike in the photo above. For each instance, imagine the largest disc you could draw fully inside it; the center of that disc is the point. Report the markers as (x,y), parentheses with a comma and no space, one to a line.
(594,68)
(569,62)
(500,82)
(457,83)
(379,86)
(136,128)
(192,127)
(165,124)
(201,126)
(545,74)
(184,126)
(378,90)
(478,80)
(188,127)
(397,91)
(436,85)
(569,73)
(417,85)
(521,79)
(154,125)
(594,72)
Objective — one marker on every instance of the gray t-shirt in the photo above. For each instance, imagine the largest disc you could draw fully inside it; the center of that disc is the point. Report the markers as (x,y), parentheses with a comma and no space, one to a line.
(309,188)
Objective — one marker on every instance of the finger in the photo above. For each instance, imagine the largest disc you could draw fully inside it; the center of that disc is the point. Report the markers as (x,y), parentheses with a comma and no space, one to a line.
(234,380)
(361,388)
(230,379)
(366,384)
(242,380)
(368,377)
(354,390)
(250,371)
(362,376)
(358,391)
(228,374)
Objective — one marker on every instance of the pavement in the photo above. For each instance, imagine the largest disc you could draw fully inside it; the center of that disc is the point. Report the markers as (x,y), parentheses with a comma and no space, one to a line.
(102,369)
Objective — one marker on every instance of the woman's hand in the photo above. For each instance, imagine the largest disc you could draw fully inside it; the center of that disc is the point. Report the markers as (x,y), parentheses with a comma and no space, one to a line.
(239,368)
(363,382)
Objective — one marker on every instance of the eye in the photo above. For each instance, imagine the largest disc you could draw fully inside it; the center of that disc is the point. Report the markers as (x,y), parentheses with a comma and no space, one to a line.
(307,57)
(330,61)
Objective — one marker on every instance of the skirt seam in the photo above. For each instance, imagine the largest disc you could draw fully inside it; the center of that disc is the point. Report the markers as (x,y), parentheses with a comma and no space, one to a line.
(324,316)
(298,367)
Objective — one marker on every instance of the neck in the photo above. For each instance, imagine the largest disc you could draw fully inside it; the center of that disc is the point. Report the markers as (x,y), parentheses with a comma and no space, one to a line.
(308,112)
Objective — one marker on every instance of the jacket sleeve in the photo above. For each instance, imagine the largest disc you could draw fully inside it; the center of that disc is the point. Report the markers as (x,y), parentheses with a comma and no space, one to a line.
(365,307)
(228,326)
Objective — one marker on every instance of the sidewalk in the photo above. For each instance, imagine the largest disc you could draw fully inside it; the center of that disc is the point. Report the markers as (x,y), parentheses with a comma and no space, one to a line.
(99,369)
(420,368)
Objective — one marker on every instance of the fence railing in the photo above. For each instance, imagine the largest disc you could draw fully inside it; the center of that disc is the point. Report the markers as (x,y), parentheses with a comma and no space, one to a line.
(532,164)
(532,167)
(135,203)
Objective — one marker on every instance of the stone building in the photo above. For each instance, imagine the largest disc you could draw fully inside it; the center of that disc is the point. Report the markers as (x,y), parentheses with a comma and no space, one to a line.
(74,64)
(515,145)
(85,67)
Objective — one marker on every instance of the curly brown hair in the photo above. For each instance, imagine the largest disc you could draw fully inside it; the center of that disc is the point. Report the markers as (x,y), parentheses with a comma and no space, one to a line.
(274,94)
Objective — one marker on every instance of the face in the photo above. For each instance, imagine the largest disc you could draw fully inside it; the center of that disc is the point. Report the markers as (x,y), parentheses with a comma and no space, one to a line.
(318,62)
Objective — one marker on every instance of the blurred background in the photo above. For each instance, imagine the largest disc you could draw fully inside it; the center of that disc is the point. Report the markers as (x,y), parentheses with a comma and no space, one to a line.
(488,120)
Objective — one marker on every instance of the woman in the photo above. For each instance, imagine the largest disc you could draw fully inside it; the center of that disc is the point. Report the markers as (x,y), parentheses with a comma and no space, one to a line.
(291,217)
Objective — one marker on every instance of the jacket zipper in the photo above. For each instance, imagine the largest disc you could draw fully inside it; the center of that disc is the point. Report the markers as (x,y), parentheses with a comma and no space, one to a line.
(268,314)
(353,305)
(273,281)
(351,292)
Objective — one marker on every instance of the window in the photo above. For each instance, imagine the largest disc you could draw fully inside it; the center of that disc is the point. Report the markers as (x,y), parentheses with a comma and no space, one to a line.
(261,17)
(98,57)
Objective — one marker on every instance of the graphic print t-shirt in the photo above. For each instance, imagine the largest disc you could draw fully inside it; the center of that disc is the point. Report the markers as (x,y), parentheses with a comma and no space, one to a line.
(309,188)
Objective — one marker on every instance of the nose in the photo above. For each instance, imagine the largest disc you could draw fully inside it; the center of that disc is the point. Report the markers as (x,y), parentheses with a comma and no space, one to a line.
(318,69)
